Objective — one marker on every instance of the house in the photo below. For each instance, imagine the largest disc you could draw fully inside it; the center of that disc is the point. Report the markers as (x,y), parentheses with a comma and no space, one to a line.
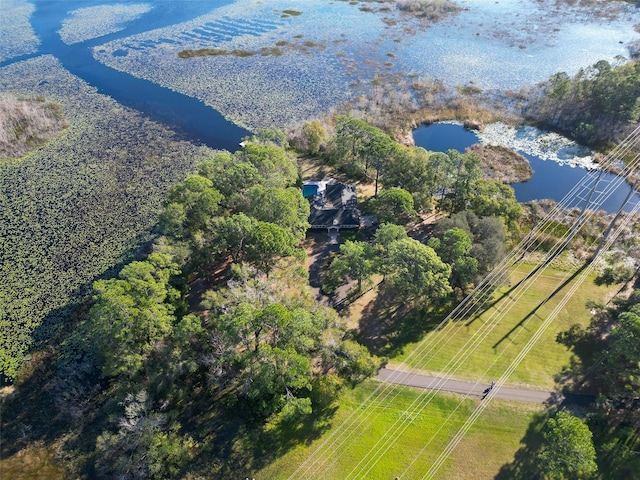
(333,205)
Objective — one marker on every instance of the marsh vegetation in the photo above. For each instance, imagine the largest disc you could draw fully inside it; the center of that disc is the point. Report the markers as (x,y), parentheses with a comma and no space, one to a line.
(78,205)
(18,37)
(430,10)
(27,123)
(280,48)
(92,22)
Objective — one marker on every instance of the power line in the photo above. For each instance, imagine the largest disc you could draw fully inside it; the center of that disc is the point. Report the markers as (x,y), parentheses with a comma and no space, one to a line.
(332,446)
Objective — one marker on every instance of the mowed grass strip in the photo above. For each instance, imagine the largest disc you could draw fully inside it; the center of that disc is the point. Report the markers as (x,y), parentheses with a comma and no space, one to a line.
(499,430)
(502,342)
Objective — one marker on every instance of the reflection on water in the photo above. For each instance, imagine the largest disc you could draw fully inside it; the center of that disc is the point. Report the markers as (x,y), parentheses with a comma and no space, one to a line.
(441,137)
(185,114)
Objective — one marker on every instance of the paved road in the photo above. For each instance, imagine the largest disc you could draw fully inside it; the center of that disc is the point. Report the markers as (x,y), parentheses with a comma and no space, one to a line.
(470,388)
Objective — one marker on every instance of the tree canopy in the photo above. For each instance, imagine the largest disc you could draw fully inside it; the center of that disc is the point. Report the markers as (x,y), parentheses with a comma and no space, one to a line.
(354,261)
(594,104)
(243,206)
(488,237)
(263,342)
(416,273)
(131,313)
(286,208)
(569,452)
(190,206)
(454,248)
(393,205)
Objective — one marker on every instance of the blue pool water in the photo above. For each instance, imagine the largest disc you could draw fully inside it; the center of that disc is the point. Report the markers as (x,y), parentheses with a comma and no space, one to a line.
(308,190)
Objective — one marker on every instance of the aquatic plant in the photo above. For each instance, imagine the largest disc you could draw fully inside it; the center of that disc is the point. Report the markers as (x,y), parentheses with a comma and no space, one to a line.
(287,82)
(78,205)
(17,35)
(294,75)
(431,10)
(542,144)
(214,52)
(92,22)
(281,47)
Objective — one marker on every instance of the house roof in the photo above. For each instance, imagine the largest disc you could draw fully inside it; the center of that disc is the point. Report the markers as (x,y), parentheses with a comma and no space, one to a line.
(335,217)
(341,195)
(336,205)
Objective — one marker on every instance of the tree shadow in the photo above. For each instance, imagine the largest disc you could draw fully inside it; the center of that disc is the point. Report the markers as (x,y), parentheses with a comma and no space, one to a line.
(243,449)
(318,252)
(525,462)
(285,436)
(27,411)
(51,401)
(387,326)
(535,310)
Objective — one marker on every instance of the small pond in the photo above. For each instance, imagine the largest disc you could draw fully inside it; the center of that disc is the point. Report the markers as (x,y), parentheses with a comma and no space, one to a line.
(551,180)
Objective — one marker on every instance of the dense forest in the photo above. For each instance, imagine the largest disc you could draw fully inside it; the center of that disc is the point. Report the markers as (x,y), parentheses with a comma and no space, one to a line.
(596,106)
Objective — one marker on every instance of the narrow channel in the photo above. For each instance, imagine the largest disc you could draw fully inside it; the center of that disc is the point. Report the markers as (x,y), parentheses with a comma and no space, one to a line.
(189,117)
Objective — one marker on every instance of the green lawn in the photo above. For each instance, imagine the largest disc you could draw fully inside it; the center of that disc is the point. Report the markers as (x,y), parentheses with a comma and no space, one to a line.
(490,443)
(505,336)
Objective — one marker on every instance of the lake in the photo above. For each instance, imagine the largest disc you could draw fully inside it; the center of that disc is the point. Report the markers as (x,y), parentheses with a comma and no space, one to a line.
(331,51)
(551,179)
(328,52)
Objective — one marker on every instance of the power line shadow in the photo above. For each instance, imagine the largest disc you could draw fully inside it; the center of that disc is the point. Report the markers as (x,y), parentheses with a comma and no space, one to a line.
(533,312)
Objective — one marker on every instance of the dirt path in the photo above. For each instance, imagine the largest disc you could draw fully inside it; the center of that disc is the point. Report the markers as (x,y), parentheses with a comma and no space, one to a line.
(470,388)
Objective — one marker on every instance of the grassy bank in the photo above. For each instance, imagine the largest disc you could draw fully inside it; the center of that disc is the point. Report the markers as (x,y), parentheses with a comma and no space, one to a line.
(27,123)
(32,464)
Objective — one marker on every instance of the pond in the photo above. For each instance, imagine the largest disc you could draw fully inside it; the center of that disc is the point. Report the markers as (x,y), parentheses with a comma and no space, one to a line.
(551,179)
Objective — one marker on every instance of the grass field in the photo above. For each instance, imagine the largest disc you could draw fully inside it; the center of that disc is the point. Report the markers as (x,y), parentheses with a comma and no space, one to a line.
(418,435)
(490,444)
(504,336)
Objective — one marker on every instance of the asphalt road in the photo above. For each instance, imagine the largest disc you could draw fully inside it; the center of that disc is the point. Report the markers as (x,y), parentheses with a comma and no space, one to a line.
(470,388)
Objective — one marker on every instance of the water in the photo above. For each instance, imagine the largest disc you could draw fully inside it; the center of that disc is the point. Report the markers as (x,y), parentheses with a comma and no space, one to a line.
(496,45)
(551,180)
(188,116)
(441,137)
(504,44)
